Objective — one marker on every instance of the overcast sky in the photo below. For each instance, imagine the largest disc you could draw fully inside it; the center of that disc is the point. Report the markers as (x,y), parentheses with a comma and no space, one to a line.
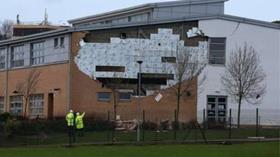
(59,11)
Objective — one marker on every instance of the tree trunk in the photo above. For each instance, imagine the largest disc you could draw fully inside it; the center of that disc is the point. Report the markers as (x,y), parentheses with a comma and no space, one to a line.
(239,111)
(178,104)
(25,108)
(115,104)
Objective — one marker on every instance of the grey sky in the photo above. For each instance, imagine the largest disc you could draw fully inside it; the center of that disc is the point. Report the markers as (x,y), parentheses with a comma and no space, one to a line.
(60,11)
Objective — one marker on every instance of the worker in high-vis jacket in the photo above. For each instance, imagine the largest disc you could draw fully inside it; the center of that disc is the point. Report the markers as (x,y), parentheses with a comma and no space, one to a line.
(70,120)
(80,123)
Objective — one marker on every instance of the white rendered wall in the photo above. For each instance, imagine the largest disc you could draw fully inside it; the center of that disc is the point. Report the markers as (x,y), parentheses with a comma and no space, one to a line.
(266,42)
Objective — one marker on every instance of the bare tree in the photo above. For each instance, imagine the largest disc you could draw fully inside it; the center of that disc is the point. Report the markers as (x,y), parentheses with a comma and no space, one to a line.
(244,76)
(6,29)
(114,84)
(187,68)
(27,87)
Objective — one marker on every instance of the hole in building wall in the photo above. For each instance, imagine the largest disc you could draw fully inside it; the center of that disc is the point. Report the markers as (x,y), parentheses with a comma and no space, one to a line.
(123,35)
(168,59)
(110,68)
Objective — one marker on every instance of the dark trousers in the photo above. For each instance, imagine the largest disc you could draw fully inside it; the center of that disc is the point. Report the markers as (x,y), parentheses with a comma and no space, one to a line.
(71,134)
(80,132)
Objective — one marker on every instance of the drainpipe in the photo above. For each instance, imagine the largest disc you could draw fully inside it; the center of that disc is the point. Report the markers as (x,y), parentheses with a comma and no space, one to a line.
(6,79)
(69,101)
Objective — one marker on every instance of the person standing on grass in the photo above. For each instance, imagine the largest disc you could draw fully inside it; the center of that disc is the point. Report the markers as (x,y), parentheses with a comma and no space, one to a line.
(70,119)
(80,123)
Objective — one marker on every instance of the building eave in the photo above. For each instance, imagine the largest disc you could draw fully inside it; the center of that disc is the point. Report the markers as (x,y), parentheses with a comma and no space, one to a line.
(34,36)
(141,8)
(194,18)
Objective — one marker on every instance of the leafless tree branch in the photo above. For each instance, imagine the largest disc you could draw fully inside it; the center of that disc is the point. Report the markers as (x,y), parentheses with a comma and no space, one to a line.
(244,76)
(28,87)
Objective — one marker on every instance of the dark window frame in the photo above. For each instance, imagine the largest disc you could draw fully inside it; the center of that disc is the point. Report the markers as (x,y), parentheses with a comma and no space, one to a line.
(168,59)
(62,41)
(37,59)
(55,42)
(2,104)
(100,68)
(102,98)
(124,93)
(14,105)
(19,61)
(217,55)
(3,58)
(36,103)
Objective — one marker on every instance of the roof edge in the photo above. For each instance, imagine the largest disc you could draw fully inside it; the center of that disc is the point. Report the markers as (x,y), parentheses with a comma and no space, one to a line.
(141,7)
(193,18)
(35,36)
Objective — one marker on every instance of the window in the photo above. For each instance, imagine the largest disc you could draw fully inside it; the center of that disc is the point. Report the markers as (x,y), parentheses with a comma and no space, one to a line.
(108,22)
(2,58)
(17,56)
(1,104)
(16,105)
(103,96)
(168,59)
(138,18)
(129,18)
(61,41)
(123,35)
(55,42)
(37,53)
(110,68)
(36,104)
(124,96)
(217,51)
(216,109)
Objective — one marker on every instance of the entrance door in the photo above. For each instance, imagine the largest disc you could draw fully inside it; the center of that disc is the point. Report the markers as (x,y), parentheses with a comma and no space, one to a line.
(217,109)
(50,105)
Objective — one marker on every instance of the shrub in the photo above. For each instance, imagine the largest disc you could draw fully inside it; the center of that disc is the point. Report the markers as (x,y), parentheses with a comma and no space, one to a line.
(11,127)
(4,117)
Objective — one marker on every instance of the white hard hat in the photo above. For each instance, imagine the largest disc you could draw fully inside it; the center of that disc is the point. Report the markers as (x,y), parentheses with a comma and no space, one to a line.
(77,113)
(71,111)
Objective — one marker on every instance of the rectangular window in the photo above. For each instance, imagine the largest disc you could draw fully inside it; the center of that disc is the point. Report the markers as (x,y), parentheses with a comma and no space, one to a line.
(17,56)
(37,53)
(110,68)
(108,22)
(124,96)
(2,58)
(16,105)
(1,104)
(55,43)
(168,59)
(104,96)
(61,42)
(36,104)
(129,18)
(217,51)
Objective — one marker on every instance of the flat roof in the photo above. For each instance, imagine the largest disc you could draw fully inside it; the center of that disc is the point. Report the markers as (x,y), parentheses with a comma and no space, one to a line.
(140,8)
(35,36)
(135,24)
(37,26)
(173,20)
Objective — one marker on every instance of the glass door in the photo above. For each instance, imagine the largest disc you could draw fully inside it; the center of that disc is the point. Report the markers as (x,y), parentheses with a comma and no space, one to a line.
(216,109)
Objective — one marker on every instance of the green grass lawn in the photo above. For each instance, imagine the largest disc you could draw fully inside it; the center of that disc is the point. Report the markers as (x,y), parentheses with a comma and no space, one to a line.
(270,149)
